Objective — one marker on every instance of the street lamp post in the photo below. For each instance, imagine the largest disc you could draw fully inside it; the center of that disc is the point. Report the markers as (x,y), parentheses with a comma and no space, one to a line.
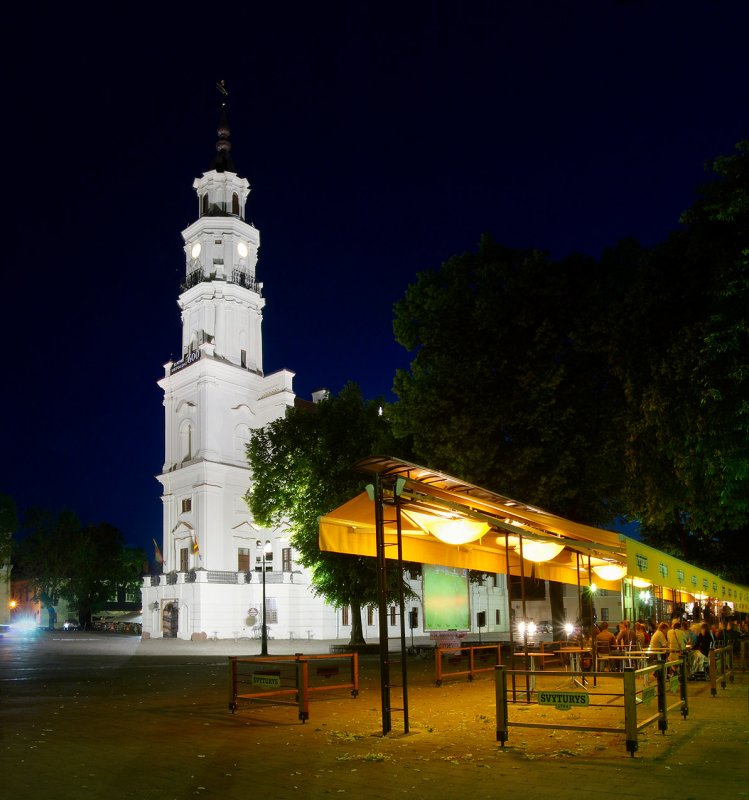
(267,549)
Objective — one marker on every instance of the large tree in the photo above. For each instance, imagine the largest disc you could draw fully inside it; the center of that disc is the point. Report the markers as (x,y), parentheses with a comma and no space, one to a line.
(302,468)
(680,348)
(8,526)
(84,564)
(509,386)
(597,388)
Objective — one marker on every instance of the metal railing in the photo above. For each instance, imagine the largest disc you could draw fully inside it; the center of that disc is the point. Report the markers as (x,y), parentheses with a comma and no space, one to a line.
(290,680)
(721,667)
(192,279)
(244,279)
(222,576)
(468,660)
(597,705)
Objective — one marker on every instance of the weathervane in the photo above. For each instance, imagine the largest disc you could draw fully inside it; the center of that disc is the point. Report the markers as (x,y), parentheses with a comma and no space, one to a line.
(221,86)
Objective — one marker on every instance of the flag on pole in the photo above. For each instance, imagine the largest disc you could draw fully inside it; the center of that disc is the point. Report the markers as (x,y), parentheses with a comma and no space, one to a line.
(157,557)
(195,548)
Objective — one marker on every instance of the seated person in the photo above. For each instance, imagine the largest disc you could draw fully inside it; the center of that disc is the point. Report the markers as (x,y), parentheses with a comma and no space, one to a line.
(677,643)
(659,640)
(626,637)
(605,640)
(701,650)
(690,633)
(605,637)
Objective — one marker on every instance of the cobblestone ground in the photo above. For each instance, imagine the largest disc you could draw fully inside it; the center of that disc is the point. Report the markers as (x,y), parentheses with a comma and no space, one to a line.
(143,723)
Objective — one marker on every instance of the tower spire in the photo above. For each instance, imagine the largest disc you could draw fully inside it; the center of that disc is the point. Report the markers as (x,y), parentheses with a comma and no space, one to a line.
(222,161)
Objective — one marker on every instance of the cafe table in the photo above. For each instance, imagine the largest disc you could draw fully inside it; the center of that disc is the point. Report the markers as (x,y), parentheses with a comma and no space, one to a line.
(576,654)
(540,656)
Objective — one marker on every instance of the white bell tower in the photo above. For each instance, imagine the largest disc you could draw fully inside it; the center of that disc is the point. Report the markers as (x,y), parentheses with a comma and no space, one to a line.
(215,394)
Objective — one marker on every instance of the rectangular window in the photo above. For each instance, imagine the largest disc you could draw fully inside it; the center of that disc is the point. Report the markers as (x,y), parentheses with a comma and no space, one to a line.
(271,610)
(413,618)
(496,617)
(495,580)
(345,616)
(286,559)
(243,559)
(187,505)
(604,615)
(184,559)
(243,359)
(392,615)
(662,569)
(370,615)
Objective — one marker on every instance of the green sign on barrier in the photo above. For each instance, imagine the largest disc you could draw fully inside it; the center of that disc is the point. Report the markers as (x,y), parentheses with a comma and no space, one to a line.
(673,684)
(266,681)
(563,701)
(648,694)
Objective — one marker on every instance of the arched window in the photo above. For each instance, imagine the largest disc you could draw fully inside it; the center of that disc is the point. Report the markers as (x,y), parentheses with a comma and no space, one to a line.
(185,441)
(241,440)
(204,205)
(235,204)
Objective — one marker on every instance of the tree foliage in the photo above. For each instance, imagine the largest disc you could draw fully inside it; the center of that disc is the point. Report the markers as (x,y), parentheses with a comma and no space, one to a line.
(681,352)
(83,564)
(597,388)
(302,469)
(509,386)
(8,526)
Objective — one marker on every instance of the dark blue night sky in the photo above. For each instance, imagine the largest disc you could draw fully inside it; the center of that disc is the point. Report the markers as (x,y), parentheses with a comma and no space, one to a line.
(378,138)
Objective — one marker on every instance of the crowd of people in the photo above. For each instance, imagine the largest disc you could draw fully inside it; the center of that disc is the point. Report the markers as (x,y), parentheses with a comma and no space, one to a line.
(680,637)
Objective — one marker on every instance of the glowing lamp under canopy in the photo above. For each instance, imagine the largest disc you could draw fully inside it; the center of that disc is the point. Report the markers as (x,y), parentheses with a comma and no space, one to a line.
(541,551)
(534,550)
(641,583)
(456,531)
(610,572)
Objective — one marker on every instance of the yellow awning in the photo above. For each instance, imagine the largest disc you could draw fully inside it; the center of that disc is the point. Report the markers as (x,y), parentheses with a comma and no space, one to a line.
(429,494)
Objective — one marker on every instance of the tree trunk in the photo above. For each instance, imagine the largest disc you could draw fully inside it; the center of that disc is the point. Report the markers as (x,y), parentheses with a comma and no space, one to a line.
(357,631)
(556,599)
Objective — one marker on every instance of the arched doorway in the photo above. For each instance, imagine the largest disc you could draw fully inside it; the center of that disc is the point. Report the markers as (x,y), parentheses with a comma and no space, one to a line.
(170,620)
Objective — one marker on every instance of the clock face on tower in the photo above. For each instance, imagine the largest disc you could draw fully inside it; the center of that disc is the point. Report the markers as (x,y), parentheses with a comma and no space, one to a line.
(242,250)
(195,250)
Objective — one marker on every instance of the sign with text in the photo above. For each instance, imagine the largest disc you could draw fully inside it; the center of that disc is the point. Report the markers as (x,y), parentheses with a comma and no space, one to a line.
(563,701)
(190,358)
(648,694)
(265,680)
